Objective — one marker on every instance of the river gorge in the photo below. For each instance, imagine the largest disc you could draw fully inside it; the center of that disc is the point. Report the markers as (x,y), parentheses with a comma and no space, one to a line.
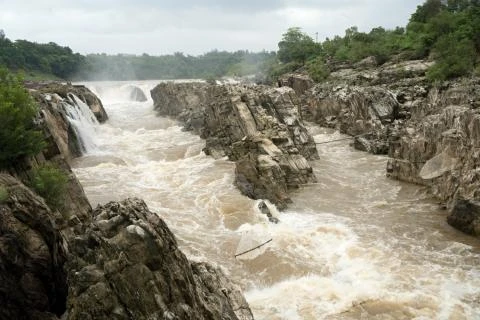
(354,245)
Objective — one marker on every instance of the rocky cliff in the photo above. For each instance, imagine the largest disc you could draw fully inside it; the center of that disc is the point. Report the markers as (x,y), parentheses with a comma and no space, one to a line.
(119,261)
(257,127)
(123,263)
(430,132)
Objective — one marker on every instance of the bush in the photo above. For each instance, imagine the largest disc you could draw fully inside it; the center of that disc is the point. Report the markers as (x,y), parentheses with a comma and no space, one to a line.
(18,135)
(454,58)
(3,194)
(317,69)
(50,182)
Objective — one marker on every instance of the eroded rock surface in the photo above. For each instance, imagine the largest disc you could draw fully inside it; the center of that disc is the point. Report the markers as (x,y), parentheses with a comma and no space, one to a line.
(32,256)
(82,92)
(260,128)
(430,132)
(127,264)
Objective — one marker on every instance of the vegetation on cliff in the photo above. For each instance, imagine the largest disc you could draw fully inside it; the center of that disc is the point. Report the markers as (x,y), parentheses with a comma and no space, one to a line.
(50,182)
(18,134)
(446,31)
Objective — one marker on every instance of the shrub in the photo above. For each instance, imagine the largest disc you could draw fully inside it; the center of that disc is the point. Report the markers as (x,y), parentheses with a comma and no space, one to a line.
(18,135)
(317,69)
(50,182)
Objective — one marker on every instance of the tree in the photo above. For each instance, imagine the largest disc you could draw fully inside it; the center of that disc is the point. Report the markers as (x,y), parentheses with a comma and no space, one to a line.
(18,135)
(296,46)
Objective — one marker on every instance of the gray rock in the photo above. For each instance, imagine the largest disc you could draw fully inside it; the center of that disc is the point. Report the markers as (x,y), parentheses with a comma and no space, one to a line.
(465,216)
(258,127)
(127,263)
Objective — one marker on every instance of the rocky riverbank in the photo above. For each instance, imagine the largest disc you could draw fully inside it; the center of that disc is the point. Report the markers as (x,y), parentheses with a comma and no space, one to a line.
(257,127)
(430,132)
(119,260)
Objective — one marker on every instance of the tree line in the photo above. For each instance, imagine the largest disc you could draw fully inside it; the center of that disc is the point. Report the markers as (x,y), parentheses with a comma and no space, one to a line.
(61,62)
(447,32)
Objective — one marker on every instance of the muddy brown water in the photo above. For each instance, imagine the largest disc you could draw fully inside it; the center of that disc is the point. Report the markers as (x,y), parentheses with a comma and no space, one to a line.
(355,245)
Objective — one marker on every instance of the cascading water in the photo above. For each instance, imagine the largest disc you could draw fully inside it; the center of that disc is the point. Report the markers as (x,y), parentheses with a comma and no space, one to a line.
(356,245)
(83,122)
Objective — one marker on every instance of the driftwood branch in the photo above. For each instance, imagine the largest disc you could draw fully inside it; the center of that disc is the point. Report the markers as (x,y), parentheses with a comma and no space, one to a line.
(250,250)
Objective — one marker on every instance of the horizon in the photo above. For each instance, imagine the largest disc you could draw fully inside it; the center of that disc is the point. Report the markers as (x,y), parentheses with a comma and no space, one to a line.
(190,27)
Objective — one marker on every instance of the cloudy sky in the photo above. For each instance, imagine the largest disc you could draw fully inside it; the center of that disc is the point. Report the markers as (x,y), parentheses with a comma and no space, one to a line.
(193,27)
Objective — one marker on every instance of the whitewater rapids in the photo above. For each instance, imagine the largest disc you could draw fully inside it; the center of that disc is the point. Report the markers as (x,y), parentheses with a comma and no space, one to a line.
(356,245)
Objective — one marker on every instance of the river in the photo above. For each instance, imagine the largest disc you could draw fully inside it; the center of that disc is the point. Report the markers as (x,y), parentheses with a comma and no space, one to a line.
(355,245)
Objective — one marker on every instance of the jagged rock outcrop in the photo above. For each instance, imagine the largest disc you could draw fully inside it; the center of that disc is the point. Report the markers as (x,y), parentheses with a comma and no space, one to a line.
(59,101)
(297,81)
(431,133)
(120,261)
(63,90)
(258,127)
(439,147)
(32,255)
(355,110)
(127,264)
(123,263)
(182,101)
(373,102)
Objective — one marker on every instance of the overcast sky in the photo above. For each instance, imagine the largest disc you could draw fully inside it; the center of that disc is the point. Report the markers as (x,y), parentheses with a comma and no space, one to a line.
(193,27)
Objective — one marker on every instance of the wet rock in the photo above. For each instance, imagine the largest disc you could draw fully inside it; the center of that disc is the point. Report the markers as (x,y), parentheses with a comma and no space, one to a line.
(262,206)
(32,256)
(355,110)
(183,101)
(465,216)
(128,264)
(431,133)
(82,92)
(258,127)
(137,94)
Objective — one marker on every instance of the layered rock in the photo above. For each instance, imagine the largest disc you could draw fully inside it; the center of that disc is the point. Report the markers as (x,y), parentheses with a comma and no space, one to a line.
(431,133)
(123,263)
(258,127)
(119,261)
(368,102)
(64,90)
(127,264)
(440,147)
(32,254)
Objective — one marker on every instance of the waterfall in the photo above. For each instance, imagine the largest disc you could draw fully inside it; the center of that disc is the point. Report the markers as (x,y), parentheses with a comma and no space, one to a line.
(83,122)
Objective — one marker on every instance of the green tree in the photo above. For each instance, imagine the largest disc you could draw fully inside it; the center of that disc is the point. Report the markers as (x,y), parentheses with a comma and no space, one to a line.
(296,46)
(18,135)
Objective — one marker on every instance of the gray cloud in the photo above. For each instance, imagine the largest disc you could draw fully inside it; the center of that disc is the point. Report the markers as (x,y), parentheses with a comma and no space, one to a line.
(194,27)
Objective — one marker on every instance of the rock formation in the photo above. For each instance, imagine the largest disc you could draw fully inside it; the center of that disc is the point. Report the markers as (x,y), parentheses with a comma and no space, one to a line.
(32,254)
(431,133)
(120,261)
(63,90)
(258,127)
(127,264)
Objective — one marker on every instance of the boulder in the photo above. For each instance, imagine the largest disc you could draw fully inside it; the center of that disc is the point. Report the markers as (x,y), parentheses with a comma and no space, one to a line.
(137,94)
(465,216)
